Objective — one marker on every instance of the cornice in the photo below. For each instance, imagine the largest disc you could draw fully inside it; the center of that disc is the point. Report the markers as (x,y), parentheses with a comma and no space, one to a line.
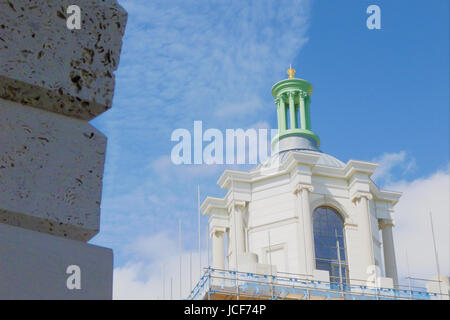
(385,195)
(293,160)
(286,167)
(212,202)
(310,160)
(354,166)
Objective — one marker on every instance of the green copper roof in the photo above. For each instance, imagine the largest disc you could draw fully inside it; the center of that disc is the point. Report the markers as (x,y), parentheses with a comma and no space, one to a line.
(293,99)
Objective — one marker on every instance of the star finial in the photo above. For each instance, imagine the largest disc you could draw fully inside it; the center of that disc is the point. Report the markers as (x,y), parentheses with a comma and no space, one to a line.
(290,72)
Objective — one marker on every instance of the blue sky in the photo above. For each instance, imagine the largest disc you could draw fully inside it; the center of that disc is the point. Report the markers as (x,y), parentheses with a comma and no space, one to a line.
(379,95)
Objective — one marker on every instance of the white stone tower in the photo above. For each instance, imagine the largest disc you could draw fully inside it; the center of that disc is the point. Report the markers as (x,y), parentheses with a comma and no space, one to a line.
(291,214)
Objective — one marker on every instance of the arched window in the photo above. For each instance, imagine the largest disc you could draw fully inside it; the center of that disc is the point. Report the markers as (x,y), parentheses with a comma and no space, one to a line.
(328,237)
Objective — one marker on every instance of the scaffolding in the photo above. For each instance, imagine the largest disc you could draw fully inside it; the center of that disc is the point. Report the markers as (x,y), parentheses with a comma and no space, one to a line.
(216,284)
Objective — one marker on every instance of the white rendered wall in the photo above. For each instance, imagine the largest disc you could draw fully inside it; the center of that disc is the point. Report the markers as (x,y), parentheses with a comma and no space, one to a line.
(273,209)
(275,204)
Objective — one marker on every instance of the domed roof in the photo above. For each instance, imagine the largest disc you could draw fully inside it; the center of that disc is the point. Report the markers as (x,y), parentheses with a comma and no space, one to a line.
(278,158)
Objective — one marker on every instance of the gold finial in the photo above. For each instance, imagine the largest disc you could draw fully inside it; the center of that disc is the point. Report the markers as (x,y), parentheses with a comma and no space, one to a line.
(290,72)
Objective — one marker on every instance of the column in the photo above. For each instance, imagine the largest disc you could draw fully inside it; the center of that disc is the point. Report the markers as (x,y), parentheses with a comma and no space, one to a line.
(390,265)
(362,204)
(303,117)
(292,117)
(240,232)
(237,227)
(302,191)
(283,126)
(218,249)
(279,117)
(307,113)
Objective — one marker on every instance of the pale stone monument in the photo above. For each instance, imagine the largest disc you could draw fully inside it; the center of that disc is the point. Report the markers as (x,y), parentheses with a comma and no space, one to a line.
(53,80)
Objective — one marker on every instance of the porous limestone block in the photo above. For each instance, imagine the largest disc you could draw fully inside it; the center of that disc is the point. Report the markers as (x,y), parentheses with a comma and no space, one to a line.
(51,169)
(34,266)
(46,65)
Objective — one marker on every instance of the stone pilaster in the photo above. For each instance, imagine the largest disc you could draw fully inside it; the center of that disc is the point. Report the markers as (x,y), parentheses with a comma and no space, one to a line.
(390,263)
(237,230)
(218,248)
(302,191)
(361,200)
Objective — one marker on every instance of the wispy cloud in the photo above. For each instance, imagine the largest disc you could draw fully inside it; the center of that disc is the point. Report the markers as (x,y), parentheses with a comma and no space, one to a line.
(167,171)
(239,108)
(153,269)
(182,61)
(211,61)
(413,228)
(412,233)
(395,164)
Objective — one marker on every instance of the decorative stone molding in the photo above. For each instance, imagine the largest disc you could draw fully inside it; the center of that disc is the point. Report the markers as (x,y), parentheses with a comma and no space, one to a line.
(382,223)
(350,225)
(236,203)
(300,186)
(217,229)
(211,206)
(359,195)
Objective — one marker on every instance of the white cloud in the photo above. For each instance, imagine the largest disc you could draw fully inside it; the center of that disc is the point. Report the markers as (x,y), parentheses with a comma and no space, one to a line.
(412,233)
(413,229)
(389,162)
(200,60)
(167,170)
(261,125)
(239,108)
(180,62)
(152,258)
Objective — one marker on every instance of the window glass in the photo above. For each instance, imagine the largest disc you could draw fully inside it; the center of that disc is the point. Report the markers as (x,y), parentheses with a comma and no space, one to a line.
(328,232)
